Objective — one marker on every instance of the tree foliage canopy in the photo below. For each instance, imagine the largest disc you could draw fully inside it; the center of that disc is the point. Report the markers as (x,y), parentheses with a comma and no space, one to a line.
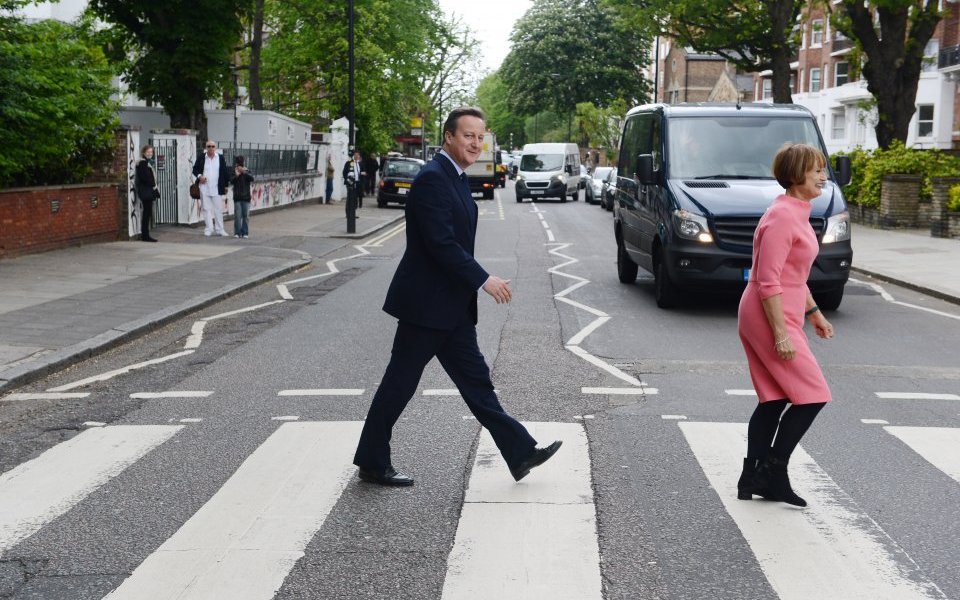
(494,98)
(569,51)
(56,116)
(176,53)
(305,62)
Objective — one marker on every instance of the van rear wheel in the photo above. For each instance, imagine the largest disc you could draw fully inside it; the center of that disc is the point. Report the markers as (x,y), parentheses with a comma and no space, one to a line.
(626,268)
(665,292)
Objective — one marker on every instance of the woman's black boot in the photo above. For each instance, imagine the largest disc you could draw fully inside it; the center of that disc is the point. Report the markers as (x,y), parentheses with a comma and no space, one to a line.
(746,485)
(772,478)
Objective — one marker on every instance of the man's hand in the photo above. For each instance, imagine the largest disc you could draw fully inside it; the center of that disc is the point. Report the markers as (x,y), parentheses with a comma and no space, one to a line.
(499,289)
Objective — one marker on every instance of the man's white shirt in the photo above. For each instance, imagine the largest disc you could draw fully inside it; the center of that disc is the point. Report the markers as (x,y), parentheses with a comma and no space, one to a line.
(211,170)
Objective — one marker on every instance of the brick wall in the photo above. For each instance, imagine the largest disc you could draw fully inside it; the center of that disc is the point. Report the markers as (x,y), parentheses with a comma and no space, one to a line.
(900,200)
(85,213)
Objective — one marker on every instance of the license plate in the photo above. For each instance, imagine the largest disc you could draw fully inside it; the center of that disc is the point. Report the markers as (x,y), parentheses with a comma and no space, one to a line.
(403,185)
(536,192)
(746,274)
(402,191)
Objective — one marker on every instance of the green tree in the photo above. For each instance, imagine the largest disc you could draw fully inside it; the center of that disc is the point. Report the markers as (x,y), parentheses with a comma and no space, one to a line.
(754,36)
(494,98)
(175,53)
(601,126)
(56,116)
(893,46)
(451,72)
(305,60)
(554,65)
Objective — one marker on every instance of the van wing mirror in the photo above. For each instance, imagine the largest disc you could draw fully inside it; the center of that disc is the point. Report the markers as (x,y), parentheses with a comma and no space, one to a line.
(645,174)
(568,169)
(844,171)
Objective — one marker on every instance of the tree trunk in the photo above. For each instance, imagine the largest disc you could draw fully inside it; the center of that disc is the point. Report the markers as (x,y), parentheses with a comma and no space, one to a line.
(194,118)
(781,13)
(894,60)
(256,45)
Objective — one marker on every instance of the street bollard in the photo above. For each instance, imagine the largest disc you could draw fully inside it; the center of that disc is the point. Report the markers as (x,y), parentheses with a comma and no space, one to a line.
(351,204)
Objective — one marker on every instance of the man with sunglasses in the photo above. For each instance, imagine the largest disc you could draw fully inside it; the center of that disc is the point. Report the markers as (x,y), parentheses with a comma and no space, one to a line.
(214,176)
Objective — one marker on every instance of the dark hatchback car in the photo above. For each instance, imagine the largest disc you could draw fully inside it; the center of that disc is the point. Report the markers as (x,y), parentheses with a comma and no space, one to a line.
(396,179)
(694,181)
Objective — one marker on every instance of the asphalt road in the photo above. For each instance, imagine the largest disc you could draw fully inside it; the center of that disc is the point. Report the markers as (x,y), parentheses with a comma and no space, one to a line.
(217,500)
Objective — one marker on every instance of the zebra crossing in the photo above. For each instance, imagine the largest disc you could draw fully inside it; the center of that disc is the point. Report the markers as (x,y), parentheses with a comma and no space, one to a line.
(541,536)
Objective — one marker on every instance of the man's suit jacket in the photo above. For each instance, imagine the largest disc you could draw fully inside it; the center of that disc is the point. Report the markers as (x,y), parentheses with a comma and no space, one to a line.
(224,179)
(437,280)
(348,166)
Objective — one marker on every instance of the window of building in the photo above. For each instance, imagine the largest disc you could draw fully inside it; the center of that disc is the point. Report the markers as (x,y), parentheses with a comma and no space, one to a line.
(841,73)
(838,124)
(930,55)
(925,120)
(814,80)
(767,88)
(816,32)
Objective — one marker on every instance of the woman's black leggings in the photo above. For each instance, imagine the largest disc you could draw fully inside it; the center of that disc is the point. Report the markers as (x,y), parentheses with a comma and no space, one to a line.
(767,422)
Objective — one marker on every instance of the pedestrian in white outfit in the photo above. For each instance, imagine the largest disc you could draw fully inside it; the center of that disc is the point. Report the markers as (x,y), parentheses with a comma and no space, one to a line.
(210,168)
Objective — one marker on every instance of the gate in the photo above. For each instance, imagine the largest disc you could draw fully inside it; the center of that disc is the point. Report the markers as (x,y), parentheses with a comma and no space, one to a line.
(165,211)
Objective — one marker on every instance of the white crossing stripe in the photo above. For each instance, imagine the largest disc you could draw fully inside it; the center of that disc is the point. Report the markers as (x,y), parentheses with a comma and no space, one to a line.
(539,536)
(940,446)
(242,543)
(44,396)
(36,492)
(874,422)
(442,392)
(750,392)
(830,550)
(612,391)
(915,396)
(322,392)
(171,394)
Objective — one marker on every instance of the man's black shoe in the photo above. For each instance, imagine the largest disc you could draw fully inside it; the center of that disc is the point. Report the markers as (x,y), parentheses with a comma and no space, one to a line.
(540,456)
(390,477)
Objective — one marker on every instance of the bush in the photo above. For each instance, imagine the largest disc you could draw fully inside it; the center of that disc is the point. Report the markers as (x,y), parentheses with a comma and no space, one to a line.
(56,115)
(954,203)
(869,168)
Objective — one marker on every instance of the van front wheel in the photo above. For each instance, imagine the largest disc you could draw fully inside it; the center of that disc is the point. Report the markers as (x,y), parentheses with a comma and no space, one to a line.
(829,299)
(664,291)
(626,268)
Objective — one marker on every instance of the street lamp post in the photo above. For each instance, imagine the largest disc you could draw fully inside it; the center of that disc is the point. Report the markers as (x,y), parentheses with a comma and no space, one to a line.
(351,187)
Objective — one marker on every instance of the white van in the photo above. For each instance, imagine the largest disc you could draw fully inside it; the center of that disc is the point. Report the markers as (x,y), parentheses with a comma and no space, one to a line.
(549,171)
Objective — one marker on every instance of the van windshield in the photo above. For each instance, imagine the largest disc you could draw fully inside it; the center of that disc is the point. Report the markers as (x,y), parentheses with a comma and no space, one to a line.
(541,162)
(732,147)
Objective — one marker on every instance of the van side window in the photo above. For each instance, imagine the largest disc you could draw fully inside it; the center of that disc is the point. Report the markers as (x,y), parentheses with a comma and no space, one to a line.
(626,166)
(656,144)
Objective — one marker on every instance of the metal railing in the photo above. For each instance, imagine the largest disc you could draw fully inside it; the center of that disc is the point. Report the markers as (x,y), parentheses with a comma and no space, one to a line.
(264,160)
(949,57)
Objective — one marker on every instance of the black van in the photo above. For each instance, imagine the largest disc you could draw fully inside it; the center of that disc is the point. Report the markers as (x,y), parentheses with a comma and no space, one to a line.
(693,182)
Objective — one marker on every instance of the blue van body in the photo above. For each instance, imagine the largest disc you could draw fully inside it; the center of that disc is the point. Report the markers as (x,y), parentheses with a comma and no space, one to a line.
(692,222)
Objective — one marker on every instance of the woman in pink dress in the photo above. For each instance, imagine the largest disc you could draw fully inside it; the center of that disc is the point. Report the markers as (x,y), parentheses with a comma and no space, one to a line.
(771,319)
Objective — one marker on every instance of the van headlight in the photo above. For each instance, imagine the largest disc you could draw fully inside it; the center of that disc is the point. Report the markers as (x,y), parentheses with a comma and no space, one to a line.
(519,178)
(692,226)
(838,228)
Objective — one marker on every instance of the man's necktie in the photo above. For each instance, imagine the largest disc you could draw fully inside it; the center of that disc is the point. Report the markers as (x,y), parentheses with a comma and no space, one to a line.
(465,183)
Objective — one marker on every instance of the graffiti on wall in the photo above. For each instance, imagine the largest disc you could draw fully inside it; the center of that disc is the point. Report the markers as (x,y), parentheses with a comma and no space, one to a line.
(277,192)
(134,209)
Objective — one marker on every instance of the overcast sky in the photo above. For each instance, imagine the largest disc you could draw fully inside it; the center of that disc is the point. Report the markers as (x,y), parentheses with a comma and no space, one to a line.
(492,21)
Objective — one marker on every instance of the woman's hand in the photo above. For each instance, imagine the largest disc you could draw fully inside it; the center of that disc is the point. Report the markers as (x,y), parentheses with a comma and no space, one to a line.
(822,326)
(785,349)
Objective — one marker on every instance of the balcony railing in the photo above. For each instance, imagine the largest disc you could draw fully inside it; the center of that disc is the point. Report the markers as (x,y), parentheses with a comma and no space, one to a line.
(949,57)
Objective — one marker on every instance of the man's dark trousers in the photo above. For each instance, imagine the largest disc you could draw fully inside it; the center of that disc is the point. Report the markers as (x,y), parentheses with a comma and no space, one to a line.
(457,350)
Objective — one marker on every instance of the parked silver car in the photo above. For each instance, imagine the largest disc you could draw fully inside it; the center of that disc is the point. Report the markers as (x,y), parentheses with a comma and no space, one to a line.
(595,184)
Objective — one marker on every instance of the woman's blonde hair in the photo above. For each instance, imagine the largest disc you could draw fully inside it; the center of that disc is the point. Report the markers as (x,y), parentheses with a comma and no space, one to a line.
(145,148)
(794,161)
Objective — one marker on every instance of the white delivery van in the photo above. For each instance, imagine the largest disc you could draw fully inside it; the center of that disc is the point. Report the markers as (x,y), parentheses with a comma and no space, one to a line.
(549,170)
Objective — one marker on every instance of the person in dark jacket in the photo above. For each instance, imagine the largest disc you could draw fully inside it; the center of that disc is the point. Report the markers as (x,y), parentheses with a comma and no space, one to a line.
(353,175)
(145,183)
(241,181)
(371,166)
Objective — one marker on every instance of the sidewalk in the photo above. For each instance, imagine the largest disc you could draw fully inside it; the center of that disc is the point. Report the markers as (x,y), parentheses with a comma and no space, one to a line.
(910,258)
(60,307)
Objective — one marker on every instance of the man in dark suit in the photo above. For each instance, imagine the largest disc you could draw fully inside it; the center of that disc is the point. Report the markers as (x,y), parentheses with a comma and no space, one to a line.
(353,175)
(434,297)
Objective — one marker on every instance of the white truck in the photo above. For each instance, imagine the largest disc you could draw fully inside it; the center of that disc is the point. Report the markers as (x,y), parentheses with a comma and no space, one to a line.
(483,173)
